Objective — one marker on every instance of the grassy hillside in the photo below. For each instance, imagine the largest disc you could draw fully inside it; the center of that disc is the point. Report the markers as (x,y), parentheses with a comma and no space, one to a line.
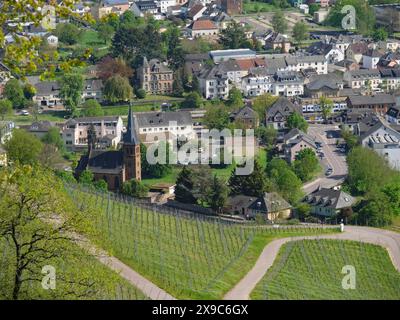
(189,257)
(311,269)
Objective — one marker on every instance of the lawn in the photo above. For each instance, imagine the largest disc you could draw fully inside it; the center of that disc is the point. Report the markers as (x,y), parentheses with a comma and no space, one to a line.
(55,116)
(257,6)
(188,256)
(311,269)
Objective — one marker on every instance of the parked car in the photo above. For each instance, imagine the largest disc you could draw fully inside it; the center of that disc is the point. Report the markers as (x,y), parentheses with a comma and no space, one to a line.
(328,171)
(24,113)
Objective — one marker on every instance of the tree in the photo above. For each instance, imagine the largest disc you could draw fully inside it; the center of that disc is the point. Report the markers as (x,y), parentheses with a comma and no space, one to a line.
(86,178)
(105,32)
(326,105)
(376,211)
(267,135)
(71,90)
(184,186)
(261,104)
(5,108)
(300,31)
(13,91)
(234,37)
(177,85)
(255,184)
(235,98)
(392,192)
(68,33)
(141,93)
(379,34)
(157,170)
(295,120)
(285,180)
(91,108)
(53,137)
(29,91)
(306,164)
(192,100)
(100,185)
(38,222)
(117,89)
(196,85)
(23,147)
(135,188)
(313,7)
(109,67)
(279,23)
(175,53)
(218,194)
(368,171)
(350,139)
(216,117)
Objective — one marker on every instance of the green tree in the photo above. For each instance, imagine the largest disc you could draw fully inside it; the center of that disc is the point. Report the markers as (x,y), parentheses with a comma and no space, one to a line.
(175,53)
(300,32)
(157,170)
(234,37)
(68,33)
(71,90)
(117,89)
(261,104)
(235,98)
(13,91)
(313,7)
(295,120)
(216,117)
(326,107)
(23,147)
(177,85)
(101,185)
(255,184)
(267,135)
(37,223)
(196,85)
(376,212)
(185,186)
(5,108)
(91,108)
(53,137)
(350,139)
(380,34)
(218,194)
(141,93)
(105,32)
(135,188)
(29,91)
(279,23)
(306,164)
(392,192)
(86,178)
(192,100)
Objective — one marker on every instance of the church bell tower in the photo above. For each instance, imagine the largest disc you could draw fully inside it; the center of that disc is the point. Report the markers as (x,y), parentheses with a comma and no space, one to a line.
(131,150)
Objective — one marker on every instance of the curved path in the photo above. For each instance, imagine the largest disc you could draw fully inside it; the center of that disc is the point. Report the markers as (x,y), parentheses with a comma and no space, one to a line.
(387,239)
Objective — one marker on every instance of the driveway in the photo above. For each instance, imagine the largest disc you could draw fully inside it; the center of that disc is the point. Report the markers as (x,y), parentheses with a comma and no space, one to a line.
(333,159)
(387,239)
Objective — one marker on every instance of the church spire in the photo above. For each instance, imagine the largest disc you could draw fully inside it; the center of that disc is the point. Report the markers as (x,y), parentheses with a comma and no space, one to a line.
(130,135)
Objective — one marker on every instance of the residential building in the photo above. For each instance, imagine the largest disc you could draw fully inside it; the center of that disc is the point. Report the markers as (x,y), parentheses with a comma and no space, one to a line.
(106,7)
(108,131)
(327,85)
(259,81)
(52,40)
(38,128)
(300,63)
(141,8)
(371,58)
(288,84)
(113,166)
(329,50)
(271,205)
(164,126)
(295,141)
(363,79)
(48,94)
(93,89)
(393,115)
(165,4)
(155,76)
(379,103)
(329,202)
(203,28)
(6,128)
(277,114)
(245,116)
(214,82)
(356,51)
(277,41)
(196,12)
(385,141)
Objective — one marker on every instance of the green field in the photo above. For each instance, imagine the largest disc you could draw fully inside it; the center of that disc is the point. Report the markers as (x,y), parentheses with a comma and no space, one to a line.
(96,281)
(311,269)
(189,257)
(257,6)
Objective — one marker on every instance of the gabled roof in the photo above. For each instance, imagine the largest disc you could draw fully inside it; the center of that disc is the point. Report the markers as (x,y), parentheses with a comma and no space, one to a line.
(330,198)
(101,161)
(324,80)
(378,99)
(159,119)
(376,127)
(244,113)
(203,25)
(195,10)
(283,106)
(295,135)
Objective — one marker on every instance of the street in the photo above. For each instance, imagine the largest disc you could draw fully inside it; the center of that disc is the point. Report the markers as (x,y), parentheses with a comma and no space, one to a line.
(333,159)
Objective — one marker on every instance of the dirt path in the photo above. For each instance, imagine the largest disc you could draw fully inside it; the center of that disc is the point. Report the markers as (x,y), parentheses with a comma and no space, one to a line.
(387,239)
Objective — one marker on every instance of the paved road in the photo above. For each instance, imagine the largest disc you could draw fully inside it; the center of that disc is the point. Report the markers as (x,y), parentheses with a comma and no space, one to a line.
(387,239)
(335,160)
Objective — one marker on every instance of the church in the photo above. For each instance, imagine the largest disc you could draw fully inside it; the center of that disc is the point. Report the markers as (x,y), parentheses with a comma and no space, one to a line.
(113,166)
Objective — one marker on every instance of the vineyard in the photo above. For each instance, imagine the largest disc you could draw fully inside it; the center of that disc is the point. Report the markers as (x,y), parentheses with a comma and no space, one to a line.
(188,256)
(311,269)
(76,278)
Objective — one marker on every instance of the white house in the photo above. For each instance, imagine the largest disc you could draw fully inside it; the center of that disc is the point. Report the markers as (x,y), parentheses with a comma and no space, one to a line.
(203,28)
(259,81)
(371,59)
(52,40)
(165,4)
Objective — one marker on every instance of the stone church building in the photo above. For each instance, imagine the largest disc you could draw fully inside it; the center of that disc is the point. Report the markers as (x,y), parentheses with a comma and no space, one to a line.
(113,166)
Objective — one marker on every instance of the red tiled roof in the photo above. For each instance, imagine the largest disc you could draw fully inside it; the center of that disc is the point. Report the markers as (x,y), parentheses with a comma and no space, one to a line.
(245,64)
(203,25)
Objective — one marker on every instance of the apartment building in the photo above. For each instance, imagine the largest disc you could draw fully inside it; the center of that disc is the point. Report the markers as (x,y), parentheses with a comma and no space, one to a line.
(155,76)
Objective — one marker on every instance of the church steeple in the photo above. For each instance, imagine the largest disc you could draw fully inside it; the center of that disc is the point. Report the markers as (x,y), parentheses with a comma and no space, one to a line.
(130,136)
(91,137)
